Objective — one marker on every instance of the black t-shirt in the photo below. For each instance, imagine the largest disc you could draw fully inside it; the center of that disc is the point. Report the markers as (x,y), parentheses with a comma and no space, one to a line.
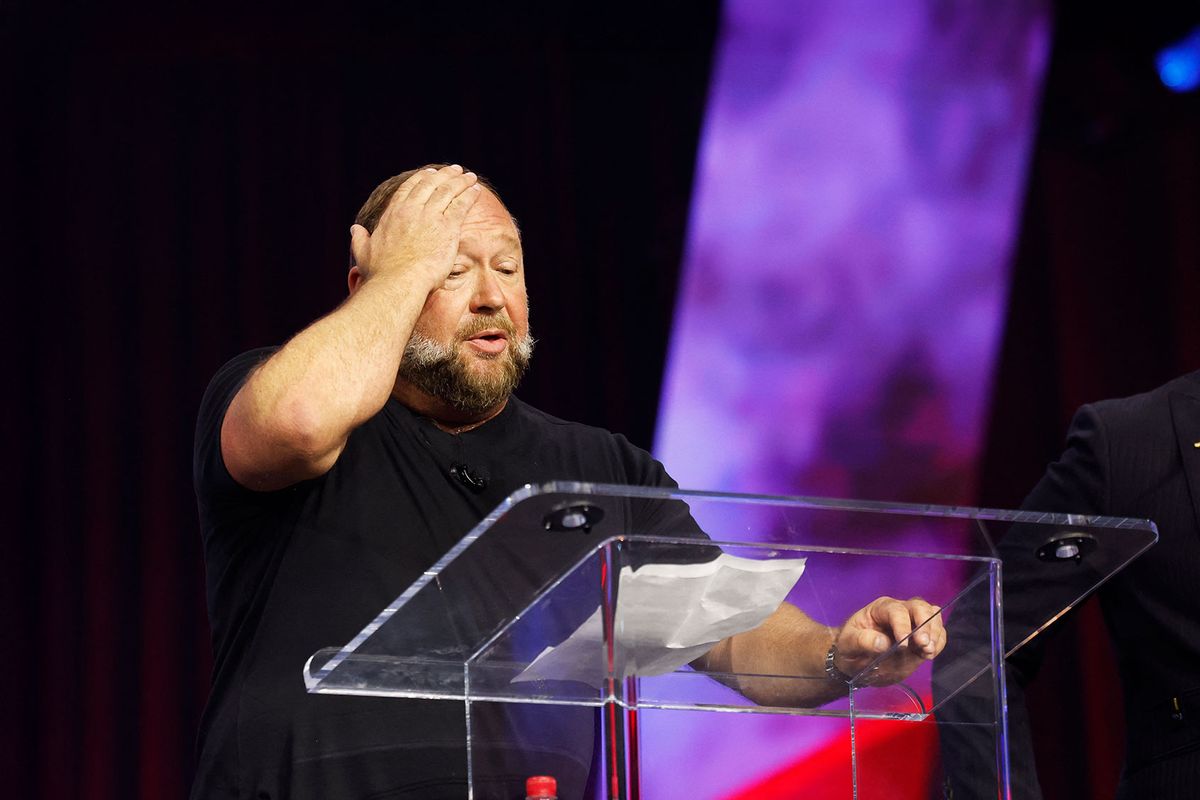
(307,567)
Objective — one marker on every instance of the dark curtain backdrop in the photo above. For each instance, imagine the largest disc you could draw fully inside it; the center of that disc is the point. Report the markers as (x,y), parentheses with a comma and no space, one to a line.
(179,186)
(1104,303)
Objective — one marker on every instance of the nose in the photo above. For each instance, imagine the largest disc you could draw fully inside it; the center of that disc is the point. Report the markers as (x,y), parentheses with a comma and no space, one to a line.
(489,294)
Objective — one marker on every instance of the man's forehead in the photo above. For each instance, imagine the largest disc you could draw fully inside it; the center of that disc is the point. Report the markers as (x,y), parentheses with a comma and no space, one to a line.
(488,217)
(489,242)
(488,206)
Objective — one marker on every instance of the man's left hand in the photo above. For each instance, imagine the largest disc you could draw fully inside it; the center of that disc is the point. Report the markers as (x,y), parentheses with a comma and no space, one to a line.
(871,630)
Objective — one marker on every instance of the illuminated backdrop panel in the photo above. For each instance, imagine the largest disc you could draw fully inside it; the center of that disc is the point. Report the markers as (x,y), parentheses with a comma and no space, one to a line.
(857,192)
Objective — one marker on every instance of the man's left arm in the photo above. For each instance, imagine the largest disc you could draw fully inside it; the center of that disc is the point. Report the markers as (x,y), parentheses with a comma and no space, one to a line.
(790,643)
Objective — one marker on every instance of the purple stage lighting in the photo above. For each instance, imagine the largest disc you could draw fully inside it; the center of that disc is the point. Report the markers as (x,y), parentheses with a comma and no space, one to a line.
(858,185)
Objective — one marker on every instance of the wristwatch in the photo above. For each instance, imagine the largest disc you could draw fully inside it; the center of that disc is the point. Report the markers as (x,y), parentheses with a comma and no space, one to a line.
(831,669)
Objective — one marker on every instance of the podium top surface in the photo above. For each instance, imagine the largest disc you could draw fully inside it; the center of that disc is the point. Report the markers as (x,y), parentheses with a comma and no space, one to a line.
(526,607)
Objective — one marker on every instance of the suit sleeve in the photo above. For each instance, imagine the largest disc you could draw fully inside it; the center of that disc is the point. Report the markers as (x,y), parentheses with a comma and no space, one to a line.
(1078,482)
(1074,484)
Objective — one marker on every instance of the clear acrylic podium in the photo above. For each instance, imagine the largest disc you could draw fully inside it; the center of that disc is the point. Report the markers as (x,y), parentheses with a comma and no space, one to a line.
(528,609)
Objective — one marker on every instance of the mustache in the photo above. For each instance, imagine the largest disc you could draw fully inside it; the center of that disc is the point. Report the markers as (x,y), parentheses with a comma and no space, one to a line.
(477,325)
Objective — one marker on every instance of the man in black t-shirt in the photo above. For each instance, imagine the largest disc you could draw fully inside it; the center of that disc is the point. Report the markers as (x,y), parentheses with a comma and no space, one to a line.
(330,472)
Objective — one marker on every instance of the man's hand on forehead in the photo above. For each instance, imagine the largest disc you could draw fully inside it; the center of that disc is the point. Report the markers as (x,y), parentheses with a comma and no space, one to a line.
(417,236)
(438,187)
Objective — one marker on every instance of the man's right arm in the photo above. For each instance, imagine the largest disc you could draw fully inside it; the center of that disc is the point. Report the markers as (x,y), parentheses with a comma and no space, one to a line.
(291,419)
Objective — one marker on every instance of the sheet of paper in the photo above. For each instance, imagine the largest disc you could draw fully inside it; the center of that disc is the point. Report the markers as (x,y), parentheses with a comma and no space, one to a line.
(668,615)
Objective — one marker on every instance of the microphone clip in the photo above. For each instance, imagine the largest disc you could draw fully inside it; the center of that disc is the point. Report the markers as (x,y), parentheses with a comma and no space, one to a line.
(464,475)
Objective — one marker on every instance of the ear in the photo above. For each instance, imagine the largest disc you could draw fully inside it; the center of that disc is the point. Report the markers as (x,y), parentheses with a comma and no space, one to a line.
(359,242)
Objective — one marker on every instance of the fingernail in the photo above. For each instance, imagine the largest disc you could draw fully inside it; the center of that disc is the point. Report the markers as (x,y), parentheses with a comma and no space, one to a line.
(456,166)
(880,642)
(922,638)
(430,169)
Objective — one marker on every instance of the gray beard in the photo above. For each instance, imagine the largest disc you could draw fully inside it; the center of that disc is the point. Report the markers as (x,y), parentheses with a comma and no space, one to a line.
(441,371)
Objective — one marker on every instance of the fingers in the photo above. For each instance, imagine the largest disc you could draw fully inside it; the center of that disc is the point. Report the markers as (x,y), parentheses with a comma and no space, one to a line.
(915,619)
(445,196)
(865,642)
(407,187)
(920,612)
(421,185)
(859,640)
(920,619)
(892,616)
(448,191)
(436,189)
(460,205)
(873,629)
(930,638)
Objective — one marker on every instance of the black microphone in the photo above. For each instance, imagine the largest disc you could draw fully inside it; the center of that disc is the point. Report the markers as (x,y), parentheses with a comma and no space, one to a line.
(464,475)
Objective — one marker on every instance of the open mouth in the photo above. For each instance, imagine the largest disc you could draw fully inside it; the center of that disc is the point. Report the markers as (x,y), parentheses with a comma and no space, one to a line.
(489,341)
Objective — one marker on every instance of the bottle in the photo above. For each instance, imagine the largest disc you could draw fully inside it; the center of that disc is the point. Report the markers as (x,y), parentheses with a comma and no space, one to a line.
(541,787)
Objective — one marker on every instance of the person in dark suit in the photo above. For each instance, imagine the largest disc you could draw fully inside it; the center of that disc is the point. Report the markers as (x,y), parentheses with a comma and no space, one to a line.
(1131,457)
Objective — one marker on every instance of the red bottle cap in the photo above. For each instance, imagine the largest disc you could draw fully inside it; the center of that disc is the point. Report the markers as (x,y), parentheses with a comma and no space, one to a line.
(541,786)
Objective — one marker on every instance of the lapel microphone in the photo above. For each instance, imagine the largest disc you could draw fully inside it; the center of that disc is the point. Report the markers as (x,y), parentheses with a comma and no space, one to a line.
(468,478)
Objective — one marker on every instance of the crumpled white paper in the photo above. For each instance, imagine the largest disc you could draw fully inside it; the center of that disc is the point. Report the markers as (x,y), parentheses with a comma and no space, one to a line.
(668,615)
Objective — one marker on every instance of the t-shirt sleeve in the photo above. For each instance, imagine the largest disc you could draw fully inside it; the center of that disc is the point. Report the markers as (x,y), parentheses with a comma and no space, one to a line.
(211,478)
(655,517)
(641,468)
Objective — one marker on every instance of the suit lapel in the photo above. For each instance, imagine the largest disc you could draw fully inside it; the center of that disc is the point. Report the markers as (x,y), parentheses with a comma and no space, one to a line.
(1185,415)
